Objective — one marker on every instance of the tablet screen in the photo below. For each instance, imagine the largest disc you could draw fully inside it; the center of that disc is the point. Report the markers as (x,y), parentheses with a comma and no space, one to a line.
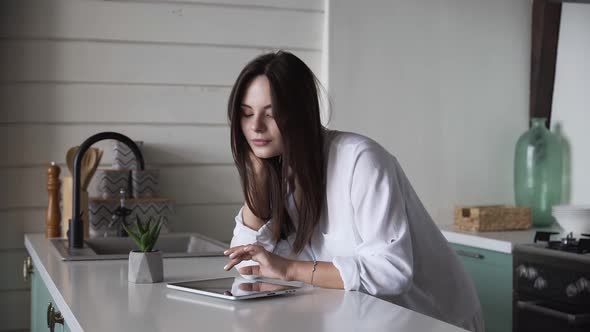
(235,287)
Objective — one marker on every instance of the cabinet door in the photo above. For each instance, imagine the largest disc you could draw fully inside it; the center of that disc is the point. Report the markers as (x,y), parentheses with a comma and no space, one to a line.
(492,275)
(40,299)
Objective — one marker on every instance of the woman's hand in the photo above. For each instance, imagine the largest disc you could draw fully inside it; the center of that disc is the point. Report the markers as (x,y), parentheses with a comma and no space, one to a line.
(270,265)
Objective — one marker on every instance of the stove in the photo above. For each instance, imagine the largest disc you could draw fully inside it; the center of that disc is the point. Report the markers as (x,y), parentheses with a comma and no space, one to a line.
(551,284)
(569,243)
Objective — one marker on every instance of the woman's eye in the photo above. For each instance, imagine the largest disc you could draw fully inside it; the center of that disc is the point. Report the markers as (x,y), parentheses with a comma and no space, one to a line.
(269,115)
(246,115)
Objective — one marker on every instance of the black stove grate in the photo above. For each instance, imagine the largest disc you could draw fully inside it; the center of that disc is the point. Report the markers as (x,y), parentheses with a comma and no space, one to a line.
(568,244)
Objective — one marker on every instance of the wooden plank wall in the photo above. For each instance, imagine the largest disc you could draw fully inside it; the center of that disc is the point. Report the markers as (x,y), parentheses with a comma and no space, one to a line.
(157,71)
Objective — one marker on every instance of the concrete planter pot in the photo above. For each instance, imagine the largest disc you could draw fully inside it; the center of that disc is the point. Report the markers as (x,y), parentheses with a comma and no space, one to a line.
(145,267)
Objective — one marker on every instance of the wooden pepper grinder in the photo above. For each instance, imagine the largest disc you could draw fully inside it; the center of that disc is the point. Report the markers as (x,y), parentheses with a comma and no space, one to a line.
(53,216)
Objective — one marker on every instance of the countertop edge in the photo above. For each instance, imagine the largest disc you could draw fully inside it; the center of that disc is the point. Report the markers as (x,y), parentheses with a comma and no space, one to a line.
(502,241)
(478,241)
(53,291)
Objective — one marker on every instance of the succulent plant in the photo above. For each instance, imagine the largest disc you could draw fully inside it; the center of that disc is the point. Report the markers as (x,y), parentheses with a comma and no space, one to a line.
(146,235)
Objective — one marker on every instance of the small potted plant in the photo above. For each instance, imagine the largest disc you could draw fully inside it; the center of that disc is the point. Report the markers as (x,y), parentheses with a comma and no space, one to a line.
(145,264)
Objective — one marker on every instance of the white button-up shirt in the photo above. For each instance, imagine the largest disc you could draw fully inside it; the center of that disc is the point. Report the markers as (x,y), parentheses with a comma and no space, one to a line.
(377,233)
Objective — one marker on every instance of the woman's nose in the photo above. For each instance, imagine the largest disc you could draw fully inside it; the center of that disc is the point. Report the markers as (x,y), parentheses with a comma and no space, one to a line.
(258,124)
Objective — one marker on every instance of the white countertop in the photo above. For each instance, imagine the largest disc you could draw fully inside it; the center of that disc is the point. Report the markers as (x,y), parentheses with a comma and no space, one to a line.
(95,296)
(497,241)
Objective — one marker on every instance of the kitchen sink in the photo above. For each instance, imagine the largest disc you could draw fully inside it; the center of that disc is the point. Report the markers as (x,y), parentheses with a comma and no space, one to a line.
(171,245)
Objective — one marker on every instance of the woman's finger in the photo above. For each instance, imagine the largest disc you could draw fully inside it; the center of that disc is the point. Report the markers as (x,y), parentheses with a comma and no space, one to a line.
(239,251)
(251,249)
(257,253)
(238,259)
(234,262)
(235,249)
(232,250)
(243,253)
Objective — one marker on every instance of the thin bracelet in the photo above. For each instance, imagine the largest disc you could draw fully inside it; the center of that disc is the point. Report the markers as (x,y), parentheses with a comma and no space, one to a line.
(315,263)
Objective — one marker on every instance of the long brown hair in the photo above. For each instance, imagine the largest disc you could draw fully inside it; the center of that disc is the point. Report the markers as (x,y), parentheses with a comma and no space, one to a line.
(296,110)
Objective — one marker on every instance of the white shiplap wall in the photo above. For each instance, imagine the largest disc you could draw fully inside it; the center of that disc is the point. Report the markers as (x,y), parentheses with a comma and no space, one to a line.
(156,71)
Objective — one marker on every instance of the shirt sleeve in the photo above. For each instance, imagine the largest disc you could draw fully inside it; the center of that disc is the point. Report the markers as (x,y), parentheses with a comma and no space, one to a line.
(245,235)
(382,264)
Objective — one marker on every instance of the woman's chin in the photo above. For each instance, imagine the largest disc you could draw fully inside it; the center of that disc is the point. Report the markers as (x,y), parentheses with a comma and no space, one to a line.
(265,154)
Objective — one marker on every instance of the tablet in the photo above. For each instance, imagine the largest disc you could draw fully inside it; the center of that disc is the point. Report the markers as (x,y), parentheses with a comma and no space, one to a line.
(235,288)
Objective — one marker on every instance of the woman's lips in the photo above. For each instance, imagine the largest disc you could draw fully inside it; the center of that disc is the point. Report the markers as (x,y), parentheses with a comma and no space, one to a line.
(260,142)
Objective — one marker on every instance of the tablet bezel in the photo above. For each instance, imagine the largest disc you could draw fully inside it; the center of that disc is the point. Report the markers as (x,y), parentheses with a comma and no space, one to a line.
(291,290)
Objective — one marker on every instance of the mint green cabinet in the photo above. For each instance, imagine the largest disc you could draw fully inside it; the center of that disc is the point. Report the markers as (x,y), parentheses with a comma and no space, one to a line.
(491,272)
(40,301)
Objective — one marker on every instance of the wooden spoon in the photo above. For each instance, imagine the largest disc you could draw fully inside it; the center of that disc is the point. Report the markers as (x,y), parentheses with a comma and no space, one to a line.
(90,161)
(87,163)
(93,165)
(70,155)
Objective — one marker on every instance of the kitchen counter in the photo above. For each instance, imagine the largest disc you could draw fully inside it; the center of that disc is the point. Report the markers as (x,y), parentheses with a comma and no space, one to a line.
(95,296)
(497,241)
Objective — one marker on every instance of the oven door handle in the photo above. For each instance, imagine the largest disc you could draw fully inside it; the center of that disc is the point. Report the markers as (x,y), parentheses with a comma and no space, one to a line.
(572,319)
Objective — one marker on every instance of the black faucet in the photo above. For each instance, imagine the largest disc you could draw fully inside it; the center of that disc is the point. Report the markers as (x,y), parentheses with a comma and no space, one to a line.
(76,226)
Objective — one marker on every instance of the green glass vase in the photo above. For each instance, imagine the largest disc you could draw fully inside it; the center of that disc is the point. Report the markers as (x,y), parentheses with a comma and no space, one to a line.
(538,172)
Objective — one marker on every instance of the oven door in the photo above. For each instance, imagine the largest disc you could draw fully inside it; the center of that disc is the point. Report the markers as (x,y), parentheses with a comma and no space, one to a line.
(539,316)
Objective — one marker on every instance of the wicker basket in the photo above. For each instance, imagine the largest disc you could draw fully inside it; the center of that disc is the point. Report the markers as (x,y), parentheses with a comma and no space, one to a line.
(492,218)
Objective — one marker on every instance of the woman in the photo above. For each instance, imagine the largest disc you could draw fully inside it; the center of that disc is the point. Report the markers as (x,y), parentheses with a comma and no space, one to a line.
(332,209)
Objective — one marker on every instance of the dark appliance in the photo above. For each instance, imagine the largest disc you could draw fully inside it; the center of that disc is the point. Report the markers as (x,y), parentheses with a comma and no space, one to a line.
(551,284)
